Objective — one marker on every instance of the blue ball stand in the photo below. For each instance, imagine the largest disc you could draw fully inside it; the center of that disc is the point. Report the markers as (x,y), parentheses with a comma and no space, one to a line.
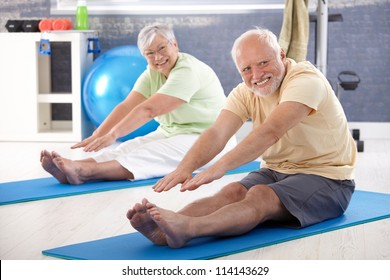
(44,47)
(93,45)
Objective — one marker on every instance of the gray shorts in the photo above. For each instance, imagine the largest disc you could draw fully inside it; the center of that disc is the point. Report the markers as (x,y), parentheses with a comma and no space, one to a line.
(309,198)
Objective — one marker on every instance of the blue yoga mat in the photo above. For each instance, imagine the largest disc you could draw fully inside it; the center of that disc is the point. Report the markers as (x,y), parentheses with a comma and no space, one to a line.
(364,207)
(44,188)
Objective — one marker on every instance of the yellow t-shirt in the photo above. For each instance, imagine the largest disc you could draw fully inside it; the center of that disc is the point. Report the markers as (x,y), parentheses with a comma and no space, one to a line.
(321,144)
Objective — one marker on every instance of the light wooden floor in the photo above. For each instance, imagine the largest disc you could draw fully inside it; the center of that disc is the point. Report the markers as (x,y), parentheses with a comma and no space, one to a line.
(28,228)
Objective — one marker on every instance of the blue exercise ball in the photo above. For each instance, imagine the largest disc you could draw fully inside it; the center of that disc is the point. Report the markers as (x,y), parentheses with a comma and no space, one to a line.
(109,80)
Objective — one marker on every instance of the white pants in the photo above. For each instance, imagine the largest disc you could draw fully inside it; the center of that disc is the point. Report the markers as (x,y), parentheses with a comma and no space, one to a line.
(155,155)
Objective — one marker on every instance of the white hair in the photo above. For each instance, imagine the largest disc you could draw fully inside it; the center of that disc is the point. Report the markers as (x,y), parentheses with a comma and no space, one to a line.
(148,33)
(263,35)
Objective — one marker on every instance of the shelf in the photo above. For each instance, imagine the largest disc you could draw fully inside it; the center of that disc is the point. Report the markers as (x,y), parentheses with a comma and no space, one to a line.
(45,89)
(58,127)
(55,98)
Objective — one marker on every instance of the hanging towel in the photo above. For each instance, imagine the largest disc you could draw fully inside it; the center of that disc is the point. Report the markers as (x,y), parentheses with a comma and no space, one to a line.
(294,35)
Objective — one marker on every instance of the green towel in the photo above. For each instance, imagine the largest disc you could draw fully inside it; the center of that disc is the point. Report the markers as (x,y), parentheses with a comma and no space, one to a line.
(294,35)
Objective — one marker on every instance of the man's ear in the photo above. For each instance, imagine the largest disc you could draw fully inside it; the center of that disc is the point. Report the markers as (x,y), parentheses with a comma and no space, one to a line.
(282,54)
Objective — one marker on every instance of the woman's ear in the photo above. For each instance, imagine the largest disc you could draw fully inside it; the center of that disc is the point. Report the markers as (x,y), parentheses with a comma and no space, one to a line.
(175,44)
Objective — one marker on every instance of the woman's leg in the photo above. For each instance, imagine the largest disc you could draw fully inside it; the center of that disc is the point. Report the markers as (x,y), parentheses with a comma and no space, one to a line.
(79,172)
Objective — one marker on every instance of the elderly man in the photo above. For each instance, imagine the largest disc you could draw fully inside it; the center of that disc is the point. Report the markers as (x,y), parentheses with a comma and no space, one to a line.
(299,129)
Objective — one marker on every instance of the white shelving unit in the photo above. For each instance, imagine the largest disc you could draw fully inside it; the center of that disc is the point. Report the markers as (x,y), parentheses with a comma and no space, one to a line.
(26,96)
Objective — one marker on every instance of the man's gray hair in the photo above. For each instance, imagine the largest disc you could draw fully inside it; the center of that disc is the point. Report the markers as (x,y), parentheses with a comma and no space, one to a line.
(263,34)
(148,33)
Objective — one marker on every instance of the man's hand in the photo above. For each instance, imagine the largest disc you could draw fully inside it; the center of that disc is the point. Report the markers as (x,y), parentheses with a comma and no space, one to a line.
(204,177)
(171,180)
(189,183)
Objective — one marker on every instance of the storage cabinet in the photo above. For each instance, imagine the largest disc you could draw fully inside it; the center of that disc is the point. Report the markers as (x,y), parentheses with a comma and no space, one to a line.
(27,87)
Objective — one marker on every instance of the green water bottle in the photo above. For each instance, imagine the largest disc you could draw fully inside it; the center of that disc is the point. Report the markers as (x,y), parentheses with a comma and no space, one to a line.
(82,15)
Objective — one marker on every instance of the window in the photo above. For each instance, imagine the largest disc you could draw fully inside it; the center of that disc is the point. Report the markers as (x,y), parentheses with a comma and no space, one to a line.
(166,6)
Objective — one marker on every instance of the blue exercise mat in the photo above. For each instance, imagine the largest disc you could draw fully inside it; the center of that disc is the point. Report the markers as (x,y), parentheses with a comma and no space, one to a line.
(44,188)
(364,207)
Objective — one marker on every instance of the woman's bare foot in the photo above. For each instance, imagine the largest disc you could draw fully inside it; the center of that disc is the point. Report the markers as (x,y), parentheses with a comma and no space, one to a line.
(174,225)
(142,222)
(71,169)
(50,167)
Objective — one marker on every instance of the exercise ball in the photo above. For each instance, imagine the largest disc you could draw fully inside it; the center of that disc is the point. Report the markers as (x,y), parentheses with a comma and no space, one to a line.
(109,80)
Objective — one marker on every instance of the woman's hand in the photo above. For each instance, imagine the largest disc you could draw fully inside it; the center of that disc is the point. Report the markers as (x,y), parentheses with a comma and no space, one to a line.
(95,143)
(84,142)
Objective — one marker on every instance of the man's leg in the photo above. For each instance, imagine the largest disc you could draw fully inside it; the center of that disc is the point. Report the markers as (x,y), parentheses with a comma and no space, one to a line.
(259,205)
(231,193)
(142,222)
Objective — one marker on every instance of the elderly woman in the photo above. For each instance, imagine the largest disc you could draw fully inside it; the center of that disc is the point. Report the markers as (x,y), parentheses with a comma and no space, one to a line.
(183,94)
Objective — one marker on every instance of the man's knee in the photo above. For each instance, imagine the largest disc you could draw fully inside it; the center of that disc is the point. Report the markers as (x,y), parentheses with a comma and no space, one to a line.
(234,191)
(262,195)
(267,202)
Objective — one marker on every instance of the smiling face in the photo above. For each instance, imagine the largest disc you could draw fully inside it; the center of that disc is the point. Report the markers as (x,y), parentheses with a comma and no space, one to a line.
(262,68)
(162,54)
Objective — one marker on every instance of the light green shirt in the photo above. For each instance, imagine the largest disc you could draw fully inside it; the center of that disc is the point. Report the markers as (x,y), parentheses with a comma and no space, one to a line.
(192,81)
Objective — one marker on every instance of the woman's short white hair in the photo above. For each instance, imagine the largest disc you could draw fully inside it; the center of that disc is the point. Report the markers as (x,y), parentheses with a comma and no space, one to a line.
(148,33)
(263,34)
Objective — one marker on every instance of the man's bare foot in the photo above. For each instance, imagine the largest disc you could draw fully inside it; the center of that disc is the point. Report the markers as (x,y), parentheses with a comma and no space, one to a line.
(50,167)
(174,225)
(69,168)
(141,221)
